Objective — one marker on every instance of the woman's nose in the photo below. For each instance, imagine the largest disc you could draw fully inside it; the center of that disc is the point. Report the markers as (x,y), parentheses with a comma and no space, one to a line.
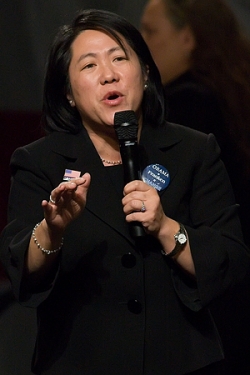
(108,75)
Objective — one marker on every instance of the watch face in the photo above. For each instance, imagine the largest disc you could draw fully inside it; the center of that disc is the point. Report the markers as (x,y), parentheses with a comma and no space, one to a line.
(182,238)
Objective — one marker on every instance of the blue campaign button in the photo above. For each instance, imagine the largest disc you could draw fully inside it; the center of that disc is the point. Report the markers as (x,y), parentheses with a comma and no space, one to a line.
(157,176)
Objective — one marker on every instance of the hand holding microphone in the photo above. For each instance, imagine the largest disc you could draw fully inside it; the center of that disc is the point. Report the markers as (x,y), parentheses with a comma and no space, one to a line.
(126,127)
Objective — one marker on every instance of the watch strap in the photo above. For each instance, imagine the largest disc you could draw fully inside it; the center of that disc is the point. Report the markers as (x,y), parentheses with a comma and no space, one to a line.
(178,246)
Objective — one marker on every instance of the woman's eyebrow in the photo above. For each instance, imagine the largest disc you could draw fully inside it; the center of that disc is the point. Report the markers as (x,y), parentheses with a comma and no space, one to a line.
(94,54)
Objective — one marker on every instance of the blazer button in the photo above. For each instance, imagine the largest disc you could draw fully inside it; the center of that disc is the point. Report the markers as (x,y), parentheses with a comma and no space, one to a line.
(134,306)
(128,260)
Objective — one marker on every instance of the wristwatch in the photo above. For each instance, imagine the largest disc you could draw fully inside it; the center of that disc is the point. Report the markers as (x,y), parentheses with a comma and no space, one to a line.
(180,241)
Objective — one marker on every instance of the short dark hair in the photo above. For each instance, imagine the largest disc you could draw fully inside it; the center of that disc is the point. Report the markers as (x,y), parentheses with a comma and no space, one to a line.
(58,115)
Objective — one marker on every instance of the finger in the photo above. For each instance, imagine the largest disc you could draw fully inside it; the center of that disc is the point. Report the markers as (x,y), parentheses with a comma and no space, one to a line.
(85,180)
(134,195)
(141,217)
(68,187)
(82,185)
(135,205)
(136,185)
(77,190)
(77,182)
(48,209)
(56,194)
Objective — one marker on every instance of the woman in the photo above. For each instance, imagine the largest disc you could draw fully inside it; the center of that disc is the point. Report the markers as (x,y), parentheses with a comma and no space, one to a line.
(108,302)
(204,62)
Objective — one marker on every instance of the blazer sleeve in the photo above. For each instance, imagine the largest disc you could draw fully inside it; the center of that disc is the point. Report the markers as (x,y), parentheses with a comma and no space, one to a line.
(29,187)
(220,256)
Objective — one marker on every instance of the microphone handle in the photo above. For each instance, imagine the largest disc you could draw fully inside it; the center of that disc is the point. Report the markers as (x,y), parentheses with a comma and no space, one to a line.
(130,161)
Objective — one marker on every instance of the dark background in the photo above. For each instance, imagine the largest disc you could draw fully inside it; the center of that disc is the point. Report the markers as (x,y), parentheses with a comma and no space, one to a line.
(26,30)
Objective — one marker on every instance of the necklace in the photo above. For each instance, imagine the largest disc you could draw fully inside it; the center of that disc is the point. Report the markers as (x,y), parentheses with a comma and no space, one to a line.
(111,162)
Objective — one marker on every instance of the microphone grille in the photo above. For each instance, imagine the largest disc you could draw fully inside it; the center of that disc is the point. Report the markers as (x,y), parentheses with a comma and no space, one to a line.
(126,125)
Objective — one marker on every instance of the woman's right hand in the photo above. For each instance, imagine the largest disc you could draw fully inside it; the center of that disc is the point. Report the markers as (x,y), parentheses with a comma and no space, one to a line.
(66,202)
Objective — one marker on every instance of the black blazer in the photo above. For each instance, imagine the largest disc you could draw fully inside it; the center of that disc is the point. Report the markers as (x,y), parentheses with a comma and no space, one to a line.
(115,306)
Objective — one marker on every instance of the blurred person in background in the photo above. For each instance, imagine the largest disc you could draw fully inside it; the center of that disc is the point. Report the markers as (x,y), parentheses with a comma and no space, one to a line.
(204,61)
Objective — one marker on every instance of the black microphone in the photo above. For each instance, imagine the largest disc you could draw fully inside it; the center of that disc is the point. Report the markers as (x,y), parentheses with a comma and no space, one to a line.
(126,127)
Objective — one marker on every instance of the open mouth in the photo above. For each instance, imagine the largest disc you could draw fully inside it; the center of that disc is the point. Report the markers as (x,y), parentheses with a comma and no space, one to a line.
(113,97)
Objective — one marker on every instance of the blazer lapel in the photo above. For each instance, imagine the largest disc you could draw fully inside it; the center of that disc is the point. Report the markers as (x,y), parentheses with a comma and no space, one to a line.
(159,144)
(102,199)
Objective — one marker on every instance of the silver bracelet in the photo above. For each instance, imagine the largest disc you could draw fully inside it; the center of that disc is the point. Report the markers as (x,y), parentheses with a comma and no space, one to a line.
(48,252)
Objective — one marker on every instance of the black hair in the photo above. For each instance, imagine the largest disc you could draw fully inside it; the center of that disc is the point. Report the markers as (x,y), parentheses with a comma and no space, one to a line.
(58,115)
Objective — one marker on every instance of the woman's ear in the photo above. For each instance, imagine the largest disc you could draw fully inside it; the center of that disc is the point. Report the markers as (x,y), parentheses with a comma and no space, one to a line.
(71,101)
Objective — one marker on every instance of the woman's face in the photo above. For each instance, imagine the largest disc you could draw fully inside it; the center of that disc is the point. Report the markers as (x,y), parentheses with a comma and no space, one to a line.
(171,47)
(104,79)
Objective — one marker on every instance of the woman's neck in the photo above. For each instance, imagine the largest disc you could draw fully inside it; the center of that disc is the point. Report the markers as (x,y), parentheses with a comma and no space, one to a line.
(107,147)
(106,143)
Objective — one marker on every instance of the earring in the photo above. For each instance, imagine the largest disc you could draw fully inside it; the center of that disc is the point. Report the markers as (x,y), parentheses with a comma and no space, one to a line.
(71,102)
(145,86)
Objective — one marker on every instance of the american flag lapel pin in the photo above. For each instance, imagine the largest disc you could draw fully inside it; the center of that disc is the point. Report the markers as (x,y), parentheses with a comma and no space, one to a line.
(69,174)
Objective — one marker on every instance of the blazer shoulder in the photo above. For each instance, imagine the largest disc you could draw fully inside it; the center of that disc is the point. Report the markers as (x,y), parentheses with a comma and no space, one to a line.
(185,132)
(57,142)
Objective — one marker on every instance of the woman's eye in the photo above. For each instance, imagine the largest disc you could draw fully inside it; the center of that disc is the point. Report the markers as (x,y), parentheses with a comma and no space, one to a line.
(88,66)
(120,58)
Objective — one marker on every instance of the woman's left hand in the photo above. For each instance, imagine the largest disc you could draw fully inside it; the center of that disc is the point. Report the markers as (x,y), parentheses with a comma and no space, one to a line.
(142,203)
